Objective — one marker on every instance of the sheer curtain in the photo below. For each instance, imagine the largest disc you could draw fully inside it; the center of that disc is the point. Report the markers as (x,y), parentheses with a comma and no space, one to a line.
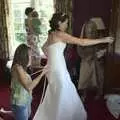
(36,4)
(4,29)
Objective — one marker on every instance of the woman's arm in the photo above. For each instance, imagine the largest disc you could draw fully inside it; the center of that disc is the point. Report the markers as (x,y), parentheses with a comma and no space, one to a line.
(81,41)
(29,85)
(30,25)
(44,47)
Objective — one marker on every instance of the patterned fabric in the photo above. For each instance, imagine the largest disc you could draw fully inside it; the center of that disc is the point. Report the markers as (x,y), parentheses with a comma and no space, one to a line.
(19,95)
(4,26)
(31,35)
(32,41)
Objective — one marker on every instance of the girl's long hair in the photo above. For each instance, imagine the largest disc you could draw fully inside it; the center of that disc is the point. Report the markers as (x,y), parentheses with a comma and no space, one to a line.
(21,56)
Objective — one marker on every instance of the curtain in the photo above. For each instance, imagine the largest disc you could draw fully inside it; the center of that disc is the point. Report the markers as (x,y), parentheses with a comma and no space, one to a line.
(4,29)
(64,6)
(36,4)
(115,24)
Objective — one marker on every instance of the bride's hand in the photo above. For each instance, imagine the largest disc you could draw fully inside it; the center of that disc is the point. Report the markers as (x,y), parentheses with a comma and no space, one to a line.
(109,40)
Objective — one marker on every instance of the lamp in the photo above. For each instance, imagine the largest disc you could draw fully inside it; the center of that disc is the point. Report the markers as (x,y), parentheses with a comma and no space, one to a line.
(99,22)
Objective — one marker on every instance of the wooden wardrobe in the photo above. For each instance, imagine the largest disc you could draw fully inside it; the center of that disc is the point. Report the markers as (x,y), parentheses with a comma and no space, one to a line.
(112,63)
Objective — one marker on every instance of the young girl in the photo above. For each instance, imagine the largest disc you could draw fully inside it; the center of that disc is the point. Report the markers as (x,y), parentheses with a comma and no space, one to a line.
(21,83)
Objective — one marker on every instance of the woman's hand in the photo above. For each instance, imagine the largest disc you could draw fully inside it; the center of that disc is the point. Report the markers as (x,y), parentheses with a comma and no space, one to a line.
(109,40)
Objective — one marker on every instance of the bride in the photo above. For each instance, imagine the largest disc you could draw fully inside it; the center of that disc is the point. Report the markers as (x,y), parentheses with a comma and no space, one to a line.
(61,101)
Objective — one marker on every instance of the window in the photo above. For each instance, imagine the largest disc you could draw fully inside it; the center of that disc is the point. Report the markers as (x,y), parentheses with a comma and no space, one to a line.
(45,9)
(18,16)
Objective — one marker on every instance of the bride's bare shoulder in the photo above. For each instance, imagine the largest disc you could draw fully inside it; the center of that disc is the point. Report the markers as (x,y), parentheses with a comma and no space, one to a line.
(57,36)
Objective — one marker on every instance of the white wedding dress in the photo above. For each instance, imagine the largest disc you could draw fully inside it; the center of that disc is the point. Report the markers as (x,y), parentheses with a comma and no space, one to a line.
(61,101)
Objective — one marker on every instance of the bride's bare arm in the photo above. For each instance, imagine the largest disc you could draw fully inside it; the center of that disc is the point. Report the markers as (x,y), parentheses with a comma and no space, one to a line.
(44,47)
(81,41)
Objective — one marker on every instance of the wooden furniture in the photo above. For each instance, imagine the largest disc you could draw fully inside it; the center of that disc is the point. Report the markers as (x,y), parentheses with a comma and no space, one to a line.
(112,74)
(112,65)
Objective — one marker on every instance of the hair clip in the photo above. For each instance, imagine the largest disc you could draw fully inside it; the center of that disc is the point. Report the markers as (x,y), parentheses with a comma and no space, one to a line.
(63,14)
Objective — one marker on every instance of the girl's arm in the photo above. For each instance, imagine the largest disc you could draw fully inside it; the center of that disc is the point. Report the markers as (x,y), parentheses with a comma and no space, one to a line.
(29,85)
(36,80)
(81,41)
(30,25)
(44,47)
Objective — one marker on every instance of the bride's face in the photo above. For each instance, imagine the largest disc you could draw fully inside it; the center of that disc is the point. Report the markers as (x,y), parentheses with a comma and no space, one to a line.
(63,25)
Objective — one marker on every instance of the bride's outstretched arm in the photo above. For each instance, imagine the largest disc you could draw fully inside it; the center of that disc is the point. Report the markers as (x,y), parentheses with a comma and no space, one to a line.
(82,41)
(44,48)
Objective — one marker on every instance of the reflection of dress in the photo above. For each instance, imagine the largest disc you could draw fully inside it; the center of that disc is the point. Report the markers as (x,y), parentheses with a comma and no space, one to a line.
(91,67)
(87,76)
(36,24)
(61,100)
(32,41)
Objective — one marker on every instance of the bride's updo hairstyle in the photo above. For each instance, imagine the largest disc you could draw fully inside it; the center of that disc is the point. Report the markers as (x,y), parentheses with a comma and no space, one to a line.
(56,18)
